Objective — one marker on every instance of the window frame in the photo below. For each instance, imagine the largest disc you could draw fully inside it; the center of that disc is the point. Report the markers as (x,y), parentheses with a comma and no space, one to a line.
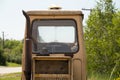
(76,36)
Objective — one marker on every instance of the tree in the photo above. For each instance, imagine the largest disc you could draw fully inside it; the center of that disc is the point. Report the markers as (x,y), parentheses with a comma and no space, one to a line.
(2,57)
(1,42)
(100,38)
(116,22)
(13,50)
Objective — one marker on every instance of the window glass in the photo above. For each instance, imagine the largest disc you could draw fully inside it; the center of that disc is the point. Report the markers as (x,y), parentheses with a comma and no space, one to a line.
(56,34)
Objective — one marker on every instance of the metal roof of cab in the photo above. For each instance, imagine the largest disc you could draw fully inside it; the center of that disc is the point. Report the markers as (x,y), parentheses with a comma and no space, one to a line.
(54,12)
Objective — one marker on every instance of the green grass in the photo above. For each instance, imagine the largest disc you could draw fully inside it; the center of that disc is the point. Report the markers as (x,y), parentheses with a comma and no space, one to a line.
(10,64)
(13,76)
(97,76)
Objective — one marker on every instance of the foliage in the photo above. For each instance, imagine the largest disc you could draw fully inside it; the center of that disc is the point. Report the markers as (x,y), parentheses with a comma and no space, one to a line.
(117,78)
(97,76)
(0,42)
(13,51)
(103,39)
(116,22)
(2,57)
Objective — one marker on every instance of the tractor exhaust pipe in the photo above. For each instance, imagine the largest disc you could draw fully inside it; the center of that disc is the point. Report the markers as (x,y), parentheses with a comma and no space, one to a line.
(28,49)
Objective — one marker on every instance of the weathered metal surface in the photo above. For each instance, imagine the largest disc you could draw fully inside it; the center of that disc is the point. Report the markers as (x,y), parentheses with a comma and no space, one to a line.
(26,62)
(54,12)
(52,68)
(77,63)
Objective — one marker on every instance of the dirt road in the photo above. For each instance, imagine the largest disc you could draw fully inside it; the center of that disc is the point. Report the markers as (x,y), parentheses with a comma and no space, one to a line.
(6,70)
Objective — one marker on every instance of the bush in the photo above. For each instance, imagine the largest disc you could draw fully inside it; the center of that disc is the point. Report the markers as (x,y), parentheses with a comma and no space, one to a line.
(13,51)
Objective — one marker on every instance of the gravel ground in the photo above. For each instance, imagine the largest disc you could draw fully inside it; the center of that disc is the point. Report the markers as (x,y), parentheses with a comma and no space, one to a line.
(6,70)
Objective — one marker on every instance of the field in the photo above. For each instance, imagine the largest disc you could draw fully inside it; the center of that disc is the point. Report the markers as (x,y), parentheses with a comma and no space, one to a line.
(14,76)
(10,64)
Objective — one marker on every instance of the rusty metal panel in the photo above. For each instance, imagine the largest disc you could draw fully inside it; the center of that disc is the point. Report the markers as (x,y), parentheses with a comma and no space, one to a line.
(55,12)
(52,77)
(52,68)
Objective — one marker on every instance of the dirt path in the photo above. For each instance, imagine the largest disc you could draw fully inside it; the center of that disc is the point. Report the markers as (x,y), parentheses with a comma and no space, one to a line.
(6,70)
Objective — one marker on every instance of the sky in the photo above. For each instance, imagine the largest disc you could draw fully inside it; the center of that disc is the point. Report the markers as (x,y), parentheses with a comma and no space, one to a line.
(12,21)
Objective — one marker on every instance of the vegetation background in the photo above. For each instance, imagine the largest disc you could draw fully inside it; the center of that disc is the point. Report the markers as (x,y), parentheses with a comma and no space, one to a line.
(10,51)
(102,37)
(102,40)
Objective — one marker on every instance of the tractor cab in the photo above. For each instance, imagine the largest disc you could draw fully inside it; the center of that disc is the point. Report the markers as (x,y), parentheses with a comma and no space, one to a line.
(53,45)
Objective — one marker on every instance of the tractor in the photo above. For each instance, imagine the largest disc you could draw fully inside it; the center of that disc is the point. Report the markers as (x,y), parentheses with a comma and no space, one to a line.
(53,45)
